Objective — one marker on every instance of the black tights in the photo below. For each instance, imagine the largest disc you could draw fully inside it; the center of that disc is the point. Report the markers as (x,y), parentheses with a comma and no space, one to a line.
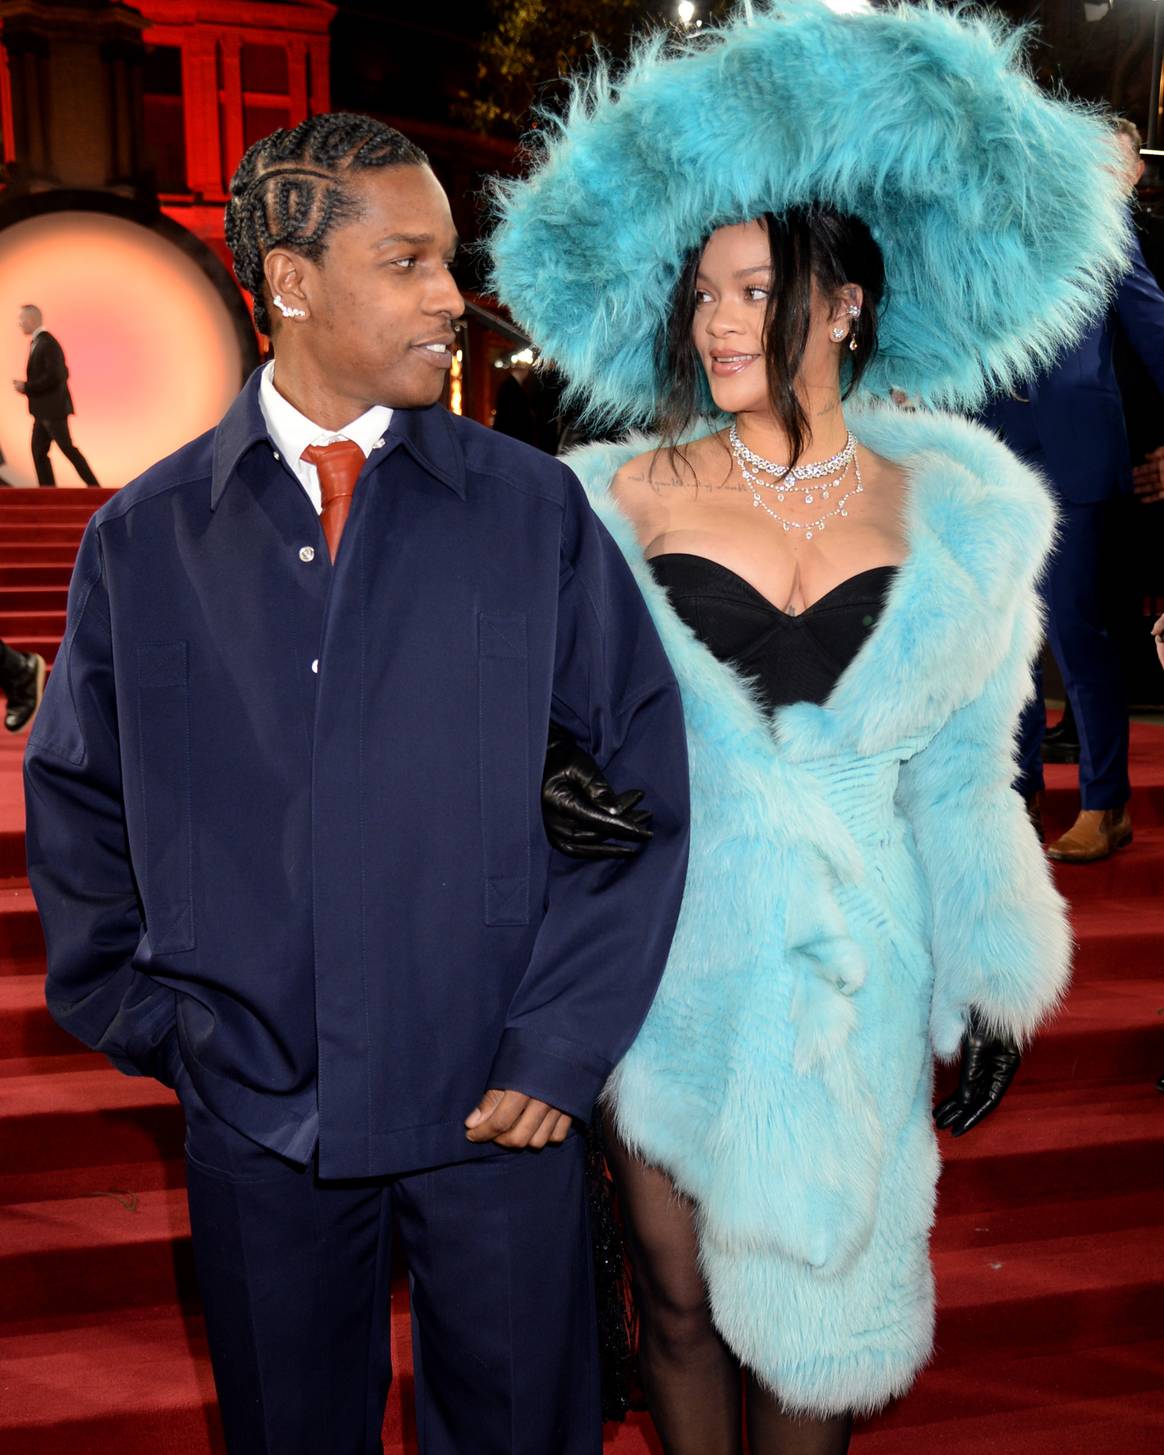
(700,1401)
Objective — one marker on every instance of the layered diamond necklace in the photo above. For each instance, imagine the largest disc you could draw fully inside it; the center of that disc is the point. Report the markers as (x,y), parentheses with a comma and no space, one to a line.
(788,479)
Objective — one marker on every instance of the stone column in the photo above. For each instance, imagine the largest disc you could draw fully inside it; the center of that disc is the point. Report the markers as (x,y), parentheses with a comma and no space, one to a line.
(200,97)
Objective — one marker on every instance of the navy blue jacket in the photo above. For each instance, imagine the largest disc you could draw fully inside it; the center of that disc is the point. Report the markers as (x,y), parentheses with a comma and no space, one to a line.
(284,819)
(1070,420)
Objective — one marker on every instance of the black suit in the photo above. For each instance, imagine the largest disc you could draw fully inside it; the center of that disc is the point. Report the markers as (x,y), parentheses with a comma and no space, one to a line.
(50,404)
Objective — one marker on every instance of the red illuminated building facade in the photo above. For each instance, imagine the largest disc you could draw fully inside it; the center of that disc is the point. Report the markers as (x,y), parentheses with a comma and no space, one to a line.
(218,76)
(143,111)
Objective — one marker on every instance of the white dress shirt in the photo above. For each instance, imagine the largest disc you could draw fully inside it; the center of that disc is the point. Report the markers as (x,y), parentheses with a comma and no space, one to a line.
(291,432)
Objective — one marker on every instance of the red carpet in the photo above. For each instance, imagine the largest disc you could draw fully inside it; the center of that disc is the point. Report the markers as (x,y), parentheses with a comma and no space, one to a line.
(1050,1240)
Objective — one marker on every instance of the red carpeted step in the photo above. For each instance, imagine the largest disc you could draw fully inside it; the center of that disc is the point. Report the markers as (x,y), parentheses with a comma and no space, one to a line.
(26,1028)
(985,1383)
(1118,938)
(16,554)
(1107,1030)
(28,525)
(1097,1401)
(21,533)
(61,496)
(61,507)
(21,939)
(140,1384)
(79,1060)
(1072,1291)
(36,598)
(95,1253)
(20,575)
(137,1384)
(1072,1217)
(1055,1142)
(14,624)
(13,861)
(52,1119)
(13,864)
(109,1179)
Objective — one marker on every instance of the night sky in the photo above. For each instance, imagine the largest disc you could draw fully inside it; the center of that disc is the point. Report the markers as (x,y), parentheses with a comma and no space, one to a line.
(391,58)
(386,60)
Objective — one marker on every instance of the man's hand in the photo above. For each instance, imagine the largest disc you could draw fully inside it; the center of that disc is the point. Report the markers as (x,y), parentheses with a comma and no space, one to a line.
(1148,478)
(512,1119)
(1158,633)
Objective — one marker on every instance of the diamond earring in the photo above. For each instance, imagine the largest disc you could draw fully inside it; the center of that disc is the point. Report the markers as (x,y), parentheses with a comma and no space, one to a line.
(839,333)
(285,310)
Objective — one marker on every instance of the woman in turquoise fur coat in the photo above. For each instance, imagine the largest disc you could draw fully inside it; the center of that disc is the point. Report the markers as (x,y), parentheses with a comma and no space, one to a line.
(746,243)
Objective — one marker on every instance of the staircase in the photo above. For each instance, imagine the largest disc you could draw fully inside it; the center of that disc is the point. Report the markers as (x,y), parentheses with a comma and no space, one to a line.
(39,534)
(1049,1247)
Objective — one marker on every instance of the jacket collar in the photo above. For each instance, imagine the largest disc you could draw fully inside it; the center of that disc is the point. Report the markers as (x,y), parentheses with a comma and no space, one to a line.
(428,435)
(978,527)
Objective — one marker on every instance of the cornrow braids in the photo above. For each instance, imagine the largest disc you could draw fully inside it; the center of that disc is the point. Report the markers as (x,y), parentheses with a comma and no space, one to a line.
(288,190)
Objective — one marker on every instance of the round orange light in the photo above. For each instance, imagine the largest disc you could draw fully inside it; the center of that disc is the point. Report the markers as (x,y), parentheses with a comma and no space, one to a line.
(152,352)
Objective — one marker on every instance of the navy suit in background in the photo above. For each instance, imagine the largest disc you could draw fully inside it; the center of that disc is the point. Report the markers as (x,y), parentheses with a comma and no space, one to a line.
(285,837)
(1069,424)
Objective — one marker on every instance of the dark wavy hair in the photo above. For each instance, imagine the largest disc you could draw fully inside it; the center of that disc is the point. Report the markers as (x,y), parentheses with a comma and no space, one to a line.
(288,191)
(804,243)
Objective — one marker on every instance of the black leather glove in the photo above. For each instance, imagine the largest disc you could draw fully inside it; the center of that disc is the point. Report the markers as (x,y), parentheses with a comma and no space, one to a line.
(988,1067)
(580,809)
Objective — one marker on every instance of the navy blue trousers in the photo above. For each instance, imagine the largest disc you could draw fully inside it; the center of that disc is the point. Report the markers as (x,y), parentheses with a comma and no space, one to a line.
(294,1276)
(1076,590)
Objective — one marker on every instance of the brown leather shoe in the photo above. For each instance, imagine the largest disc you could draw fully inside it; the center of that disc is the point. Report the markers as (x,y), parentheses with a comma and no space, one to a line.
(1095,834)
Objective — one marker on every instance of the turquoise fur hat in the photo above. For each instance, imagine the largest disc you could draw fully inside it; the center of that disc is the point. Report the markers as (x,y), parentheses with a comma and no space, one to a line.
(998,210)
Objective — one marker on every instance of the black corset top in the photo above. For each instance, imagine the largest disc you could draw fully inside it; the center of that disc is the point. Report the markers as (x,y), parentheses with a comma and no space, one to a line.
(788,658)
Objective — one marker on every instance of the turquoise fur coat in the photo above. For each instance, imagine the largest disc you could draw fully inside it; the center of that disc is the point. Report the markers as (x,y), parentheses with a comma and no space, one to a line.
(861,875)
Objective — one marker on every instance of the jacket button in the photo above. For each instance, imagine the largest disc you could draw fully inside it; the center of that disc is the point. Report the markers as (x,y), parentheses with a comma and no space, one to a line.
(315,665)
(307,553)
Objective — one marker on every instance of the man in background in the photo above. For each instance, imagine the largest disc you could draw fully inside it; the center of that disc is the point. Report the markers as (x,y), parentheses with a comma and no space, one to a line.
(527,404)
(46,387)
(1069,424)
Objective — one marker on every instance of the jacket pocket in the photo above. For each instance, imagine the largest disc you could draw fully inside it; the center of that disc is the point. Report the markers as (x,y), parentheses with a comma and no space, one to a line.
(503,707)
(167,872)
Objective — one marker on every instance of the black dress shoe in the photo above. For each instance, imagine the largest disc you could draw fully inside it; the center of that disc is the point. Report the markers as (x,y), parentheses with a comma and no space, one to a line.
(1061,743)
(24,688)
(1034,806)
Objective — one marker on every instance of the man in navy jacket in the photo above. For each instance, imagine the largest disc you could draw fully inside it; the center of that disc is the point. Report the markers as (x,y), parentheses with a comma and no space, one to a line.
(1069,424)
(284,834)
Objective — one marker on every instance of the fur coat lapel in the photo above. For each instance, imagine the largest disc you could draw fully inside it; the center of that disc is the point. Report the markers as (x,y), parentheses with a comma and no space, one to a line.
(978,526)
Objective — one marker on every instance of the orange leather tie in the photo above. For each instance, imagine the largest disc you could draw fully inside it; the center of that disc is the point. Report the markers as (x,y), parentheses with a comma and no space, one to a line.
(339,465)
